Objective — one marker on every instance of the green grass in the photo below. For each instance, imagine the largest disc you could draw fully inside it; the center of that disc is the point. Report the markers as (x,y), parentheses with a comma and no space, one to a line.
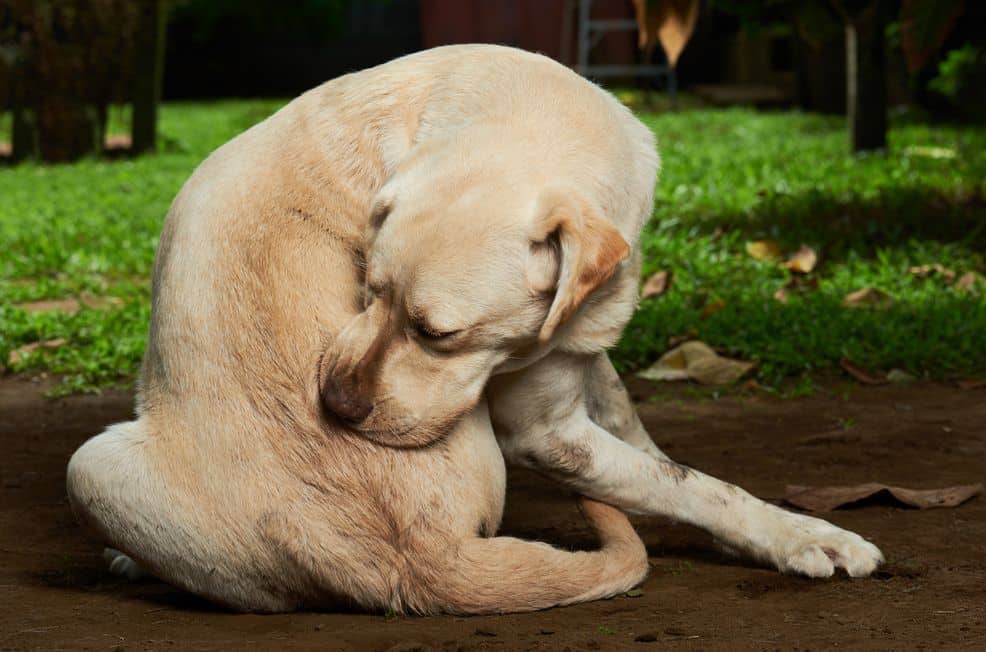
(91,228)
(733,176)
(729,176)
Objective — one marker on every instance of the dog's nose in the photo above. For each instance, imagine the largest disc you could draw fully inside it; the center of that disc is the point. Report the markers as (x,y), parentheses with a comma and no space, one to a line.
(344,399)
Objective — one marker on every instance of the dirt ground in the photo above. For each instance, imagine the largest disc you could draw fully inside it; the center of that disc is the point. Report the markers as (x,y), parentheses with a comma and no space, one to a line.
(55,593)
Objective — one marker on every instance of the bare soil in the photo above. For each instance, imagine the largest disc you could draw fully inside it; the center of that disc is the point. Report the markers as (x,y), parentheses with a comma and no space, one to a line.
(56,594)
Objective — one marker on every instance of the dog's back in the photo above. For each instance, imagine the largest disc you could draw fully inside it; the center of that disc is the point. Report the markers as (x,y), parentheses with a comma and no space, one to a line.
(232,483)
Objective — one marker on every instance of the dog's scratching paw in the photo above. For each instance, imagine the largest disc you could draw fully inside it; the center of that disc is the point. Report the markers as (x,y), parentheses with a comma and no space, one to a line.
(818,548)
(122,565)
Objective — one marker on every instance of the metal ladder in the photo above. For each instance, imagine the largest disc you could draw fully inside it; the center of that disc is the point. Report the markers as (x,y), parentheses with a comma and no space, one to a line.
(592,31)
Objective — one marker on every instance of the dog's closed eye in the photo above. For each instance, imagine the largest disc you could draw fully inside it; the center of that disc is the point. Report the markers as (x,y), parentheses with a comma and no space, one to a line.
(423,329)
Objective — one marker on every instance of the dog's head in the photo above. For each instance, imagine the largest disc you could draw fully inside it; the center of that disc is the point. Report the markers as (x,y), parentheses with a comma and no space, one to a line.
(466,275)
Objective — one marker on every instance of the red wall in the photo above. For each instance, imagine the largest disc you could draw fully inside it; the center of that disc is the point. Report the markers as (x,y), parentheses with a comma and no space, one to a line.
(534,25)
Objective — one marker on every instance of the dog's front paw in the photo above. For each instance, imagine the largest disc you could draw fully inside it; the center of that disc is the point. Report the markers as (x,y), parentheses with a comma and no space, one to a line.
(122,565)
(816,548)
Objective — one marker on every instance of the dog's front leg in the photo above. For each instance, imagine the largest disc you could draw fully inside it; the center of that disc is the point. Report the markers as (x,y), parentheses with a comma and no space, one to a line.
(542,420)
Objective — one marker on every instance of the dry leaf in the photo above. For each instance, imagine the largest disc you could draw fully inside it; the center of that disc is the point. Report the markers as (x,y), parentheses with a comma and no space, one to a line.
(924,271)
(671,22)
(825,499)
(17,355)
(967,282)
(713,307)
(699,362)
(781,295)
(656,285)
(764,250)
(803,260)
(971,384)
(868,298)
(70,305)
(900,377)
(860,374)
(100,302)
(50,305)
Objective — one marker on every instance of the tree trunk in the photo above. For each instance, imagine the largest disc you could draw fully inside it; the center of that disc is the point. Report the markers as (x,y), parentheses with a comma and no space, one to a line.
(148,74)
(866,78)
(68,130)
(24,136)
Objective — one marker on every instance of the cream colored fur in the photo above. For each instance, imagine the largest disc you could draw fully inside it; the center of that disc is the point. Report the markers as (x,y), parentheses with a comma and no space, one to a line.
(343,297)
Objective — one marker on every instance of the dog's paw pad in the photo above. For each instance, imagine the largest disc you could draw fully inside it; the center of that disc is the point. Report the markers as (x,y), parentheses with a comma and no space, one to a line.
(122,565)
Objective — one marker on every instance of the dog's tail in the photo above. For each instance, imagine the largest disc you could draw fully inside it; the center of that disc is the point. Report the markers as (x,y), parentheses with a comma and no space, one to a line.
(504,574)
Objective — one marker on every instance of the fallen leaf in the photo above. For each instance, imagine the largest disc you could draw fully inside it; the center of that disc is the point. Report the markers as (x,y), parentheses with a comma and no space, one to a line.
(17,355)
(50,305)
(656,285)
(764,250)
(634,593)
(925,271)
(825,499)
(781,295)
(868,298)
(100,302)
(971,384)
(967,282)
(671,23)
(900,377)
(70,305)
(713,307)
(699,362)
(860,374)
(803,260)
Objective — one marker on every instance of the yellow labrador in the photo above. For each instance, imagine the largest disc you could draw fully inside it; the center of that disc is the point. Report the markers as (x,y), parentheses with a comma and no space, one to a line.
(362,306)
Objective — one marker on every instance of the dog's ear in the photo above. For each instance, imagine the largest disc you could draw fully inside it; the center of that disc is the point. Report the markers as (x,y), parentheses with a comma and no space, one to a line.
(589,249)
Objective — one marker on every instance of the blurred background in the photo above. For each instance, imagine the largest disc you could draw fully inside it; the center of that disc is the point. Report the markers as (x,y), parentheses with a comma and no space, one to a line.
(821,208)
(74,58)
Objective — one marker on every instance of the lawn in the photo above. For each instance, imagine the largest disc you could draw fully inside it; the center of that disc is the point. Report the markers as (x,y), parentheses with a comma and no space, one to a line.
(730,177)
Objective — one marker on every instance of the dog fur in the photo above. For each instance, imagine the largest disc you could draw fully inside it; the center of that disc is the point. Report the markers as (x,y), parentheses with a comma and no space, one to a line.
(365,303)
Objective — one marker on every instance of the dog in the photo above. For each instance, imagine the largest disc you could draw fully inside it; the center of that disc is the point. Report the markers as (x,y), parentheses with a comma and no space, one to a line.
(366,304)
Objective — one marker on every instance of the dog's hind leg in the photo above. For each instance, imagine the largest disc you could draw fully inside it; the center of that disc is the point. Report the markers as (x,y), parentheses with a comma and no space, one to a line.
(119,489)
(504,574)
(609,406)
